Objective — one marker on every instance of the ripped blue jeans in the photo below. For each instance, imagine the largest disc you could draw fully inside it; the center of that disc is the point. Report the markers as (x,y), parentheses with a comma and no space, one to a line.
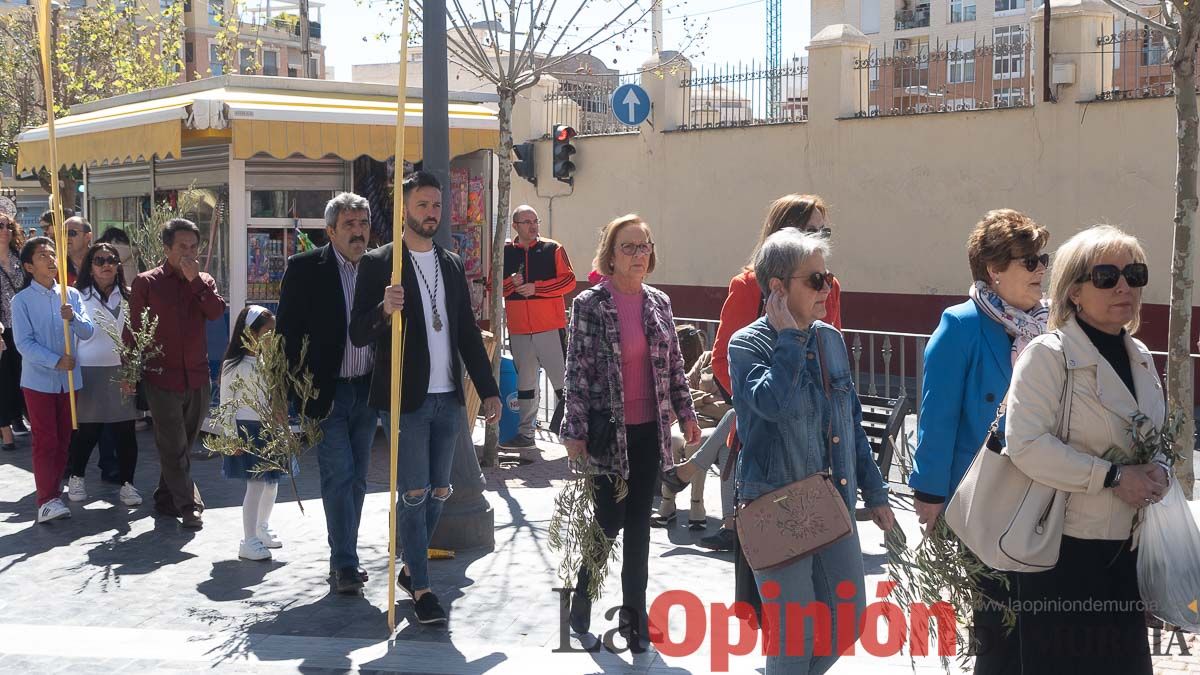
(428,438)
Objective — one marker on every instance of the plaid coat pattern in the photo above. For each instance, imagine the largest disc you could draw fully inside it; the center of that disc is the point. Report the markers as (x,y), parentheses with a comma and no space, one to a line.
(593,380)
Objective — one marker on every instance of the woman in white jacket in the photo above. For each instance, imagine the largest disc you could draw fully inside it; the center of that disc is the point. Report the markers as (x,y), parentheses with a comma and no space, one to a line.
(102,400)
(1085,614)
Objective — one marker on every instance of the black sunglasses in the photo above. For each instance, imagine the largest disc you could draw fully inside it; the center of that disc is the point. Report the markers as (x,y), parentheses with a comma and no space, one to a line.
(101,260)
(1107,276)
(823,233)
(1031,262)
(818,280)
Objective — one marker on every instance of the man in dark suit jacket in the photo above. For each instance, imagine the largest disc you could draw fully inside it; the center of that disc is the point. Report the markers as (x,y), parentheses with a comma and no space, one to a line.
(439,325)
(315,302)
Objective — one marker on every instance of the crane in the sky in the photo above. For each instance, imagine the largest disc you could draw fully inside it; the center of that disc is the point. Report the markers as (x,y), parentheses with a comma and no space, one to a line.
(774,47)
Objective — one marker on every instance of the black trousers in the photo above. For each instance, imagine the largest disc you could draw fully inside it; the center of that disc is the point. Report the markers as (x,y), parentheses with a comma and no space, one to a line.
(631,514)
(1090,621)
(86,437)
(12,402)
(997,649)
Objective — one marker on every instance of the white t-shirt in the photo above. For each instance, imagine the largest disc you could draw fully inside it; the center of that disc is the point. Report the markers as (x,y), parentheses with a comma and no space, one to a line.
(441,377)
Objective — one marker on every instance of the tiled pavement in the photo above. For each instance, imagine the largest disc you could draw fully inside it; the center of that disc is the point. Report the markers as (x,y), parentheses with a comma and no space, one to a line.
(117,590)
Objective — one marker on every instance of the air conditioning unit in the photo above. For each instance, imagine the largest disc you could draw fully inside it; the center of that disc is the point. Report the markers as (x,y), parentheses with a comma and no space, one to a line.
(902,44)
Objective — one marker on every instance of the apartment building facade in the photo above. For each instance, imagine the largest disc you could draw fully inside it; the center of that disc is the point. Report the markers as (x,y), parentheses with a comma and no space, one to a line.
(948,55)
(269,31)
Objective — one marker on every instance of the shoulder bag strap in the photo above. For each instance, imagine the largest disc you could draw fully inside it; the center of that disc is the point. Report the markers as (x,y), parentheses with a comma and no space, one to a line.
(828,395)
(1064,409)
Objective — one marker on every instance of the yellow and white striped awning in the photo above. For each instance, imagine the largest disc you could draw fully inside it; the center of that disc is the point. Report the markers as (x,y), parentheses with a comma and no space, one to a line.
(276,121)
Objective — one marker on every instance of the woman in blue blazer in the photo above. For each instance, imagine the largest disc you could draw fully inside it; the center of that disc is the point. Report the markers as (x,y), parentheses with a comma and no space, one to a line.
(968,365)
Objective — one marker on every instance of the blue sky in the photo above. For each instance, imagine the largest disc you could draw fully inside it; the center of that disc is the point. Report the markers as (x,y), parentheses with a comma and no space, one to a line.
(736,31)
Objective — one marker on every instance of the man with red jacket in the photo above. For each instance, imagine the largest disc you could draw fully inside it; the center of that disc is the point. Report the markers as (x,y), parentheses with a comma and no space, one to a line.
(537,274)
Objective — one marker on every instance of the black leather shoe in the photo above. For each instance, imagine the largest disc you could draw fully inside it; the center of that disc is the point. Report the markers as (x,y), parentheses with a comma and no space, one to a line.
(347,580)
(362,573)
(581,612)
(429,610)
(405,583)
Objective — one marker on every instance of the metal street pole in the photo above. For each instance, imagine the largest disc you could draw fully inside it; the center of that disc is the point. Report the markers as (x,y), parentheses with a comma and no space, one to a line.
(467,520)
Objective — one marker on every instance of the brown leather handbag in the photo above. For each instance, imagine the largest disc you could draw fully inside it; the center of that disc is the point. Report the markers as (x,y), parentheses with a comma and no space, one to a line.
(798,519)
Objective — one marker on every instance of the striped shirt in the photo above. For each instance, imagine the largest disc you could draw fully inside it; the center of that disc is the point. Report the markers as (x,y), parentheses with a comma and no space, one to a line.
(356,361)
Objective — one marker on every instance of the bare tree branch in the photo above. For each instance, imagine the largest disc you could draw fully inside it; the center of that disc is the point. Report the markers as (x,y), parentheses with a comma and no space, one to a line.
(494,38)
(1171,32)
(587,44)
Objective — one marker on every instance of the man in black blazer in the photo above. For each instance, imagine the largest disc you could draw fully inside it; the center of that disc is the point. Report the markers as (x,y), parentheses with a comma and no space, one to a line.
(439,327)
(315,302)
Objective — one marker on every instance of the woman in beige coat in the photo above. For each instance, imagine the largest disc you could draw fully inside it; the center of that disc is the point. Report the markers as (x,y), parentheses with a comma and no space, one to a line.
(1085,615)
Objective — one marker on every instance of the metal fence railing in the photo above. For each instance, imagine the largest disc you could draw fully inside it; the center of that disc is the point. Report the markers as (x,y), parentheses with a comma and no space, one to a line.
(586,104)
(1135,58)
(745,95)
(911,76)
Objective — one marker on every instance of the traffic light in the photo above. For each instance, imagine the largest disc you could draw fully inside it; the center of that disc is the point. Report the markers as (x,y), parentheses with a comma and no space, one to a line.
(523,165)
(564,168)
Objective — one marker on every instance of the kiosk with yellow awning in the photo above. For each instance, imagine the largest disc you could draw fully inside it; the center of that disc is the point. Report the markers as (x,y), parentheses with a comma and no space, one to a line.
(266,153)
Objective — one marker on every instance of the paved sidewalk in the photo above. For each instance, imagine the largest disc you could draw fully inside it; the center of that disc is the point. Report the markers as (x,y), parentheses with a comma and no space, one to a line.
(119,590)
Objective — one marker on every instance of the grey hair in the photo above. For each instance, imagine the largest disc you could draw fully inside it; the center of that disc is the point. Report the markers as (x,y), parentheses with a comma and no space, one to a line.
(344,201)
(783,252)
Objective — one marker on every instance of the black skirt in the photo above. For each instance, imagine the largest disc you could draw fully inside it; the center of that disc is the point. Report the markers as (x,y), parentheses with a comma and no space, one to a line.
(1085,616)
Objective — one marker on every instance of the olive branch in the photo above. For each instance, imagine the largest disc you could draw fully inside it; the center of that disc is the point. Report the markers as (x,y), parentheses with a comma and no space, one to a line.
(277,448)
(941,570)
(136,355)
(575,532)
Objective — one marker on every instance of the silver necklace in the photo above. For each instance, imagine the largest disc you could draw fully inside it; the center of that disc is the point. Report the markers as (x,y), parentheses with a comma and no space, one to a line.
(432,292)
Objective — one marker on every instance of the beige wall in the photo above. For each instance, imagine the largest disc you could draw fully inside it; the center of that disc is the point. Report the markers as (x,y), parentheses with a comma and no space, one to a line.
(904,191)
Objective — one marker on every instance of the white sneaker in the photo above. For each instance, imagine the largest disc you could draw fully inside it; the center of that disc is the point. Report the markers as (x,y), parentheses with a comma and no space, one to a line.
(253,549)
(130,496)
(53,510)
(75,489)
(267,537)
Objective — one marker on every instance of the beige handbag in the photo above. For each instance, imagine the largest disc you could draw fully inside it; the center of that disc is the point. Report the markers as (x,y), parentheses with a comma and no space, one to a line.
(1008,520)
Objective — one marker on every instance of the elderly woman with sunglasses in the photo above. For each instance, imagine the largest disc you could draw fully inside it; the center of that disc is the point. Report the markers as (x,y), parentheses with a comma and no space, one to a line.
(1091,619)
(798,415)
(968,365)
(12,280)
(102,401)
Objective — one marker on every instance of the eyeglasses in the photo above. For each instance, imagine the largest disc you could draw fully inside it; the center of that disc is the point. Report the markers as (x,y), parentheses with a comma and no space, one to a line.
(1107,276)
(535,221)
(637,249)
(72,233)
(817,280)
(823,233)
(1031,262)
(102,260)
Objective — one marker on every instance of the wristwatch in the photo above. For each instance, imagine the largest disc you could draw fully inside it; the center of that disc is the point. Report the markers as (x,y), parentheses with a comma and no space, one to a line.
(1117,478)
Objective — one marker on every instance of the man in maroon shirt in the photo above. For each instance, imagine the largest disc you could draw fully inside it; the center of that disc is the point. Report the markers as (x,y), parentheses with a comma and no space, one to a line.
(177,385)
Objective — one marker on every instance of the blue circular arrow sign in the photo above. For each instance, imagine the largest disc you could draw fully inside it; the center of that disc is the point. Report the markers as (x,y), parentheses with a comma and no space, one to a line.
(630,105)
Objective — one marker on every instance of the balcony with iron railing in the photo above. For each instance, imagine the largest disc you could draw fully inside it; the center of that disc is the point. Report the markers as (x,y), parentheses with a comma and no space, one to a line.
(912,18)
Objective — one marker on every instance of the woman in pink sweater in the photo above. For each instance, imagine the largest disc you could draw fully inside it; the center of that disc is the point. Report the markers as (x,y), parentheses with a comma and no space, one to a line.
(625,382)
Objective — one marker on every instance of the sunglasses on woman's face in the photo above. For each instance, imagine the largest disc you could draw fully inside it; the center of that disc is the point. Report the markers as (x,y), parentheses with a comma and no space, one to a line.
(818,280)
(102,260)
(1031,262)
(1107,276)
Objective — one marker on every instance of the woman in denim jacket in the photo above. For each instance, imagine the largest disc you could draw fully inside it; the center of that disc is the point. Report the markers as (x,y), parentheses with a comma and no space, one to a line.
(783,414)
(623,360)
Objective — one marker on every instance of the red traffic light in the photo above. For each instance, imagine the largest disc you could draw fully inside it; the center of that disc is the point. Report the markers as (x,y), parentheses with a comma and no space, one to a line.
(564,133)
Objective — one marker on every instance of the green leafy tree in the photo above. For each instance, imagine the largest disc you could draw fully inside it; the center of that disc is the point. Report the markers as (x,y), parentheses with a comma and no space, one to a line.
(103,50)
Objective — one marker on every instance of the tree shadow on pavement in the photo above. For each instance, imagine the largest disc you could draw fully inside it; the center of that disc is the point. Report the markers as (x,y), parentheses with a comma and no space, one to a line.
(233,580)
(148,552)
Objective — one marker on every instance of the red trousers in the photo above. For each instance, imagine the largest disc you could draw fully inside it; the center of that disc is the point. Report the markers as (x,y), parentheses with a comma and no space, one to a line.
(50,427)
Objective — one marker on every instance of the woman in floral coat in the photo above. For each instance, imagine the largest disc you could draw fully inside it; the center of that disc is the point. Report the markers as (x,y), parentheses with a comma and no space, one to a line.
(625,383)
